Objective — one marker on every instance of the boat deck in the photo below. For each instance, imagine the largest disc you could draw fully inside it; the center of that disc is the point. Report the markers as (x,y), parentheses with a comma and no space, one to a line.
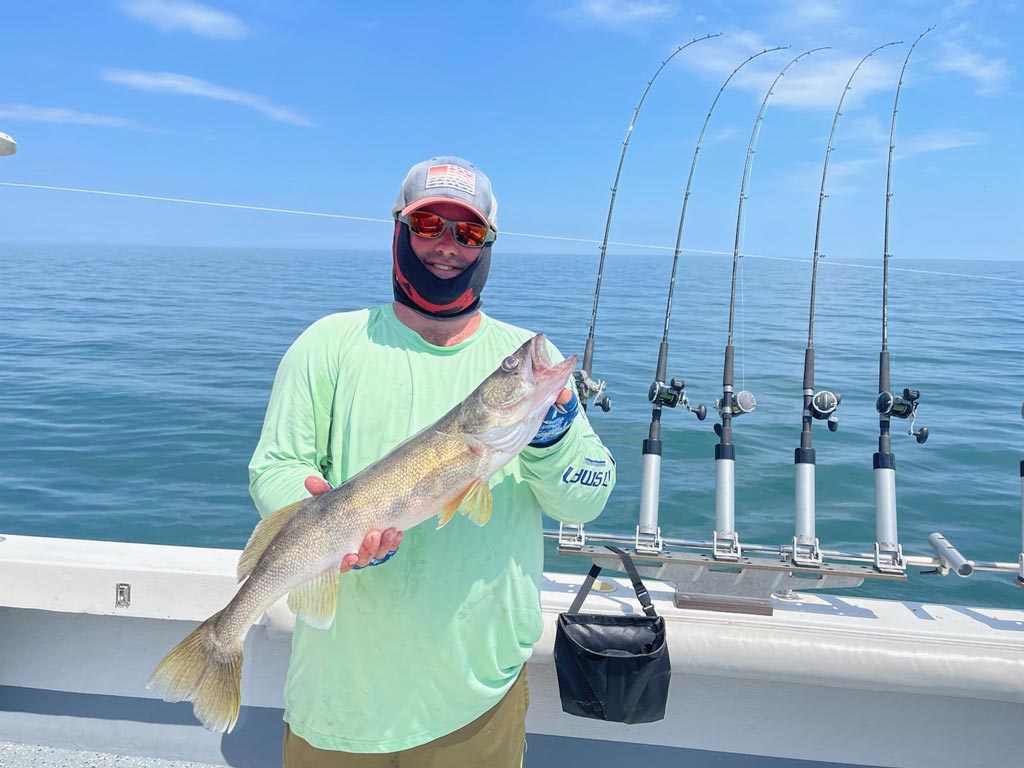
(32,756)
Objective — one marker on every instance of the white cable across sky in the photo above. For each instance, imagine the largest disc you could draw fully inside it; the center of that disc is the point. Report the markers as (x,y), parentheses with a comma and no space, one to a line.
(346,217)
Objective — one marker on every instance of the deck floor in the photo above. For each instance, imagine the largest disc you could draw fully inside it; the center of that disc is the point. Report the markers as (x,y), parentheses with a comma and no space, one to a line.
(14,755)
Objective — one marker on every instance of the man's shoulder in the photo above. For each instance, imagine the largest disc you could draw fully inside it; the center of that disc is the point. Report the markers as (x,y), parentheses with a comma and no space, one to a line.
(332,332)
(501,329)
(339,324)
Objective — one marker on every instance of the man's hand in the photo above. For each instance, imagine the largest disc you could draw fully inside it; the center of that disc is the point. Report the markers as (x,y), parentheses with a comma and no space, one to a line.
(376,545)
(557,420)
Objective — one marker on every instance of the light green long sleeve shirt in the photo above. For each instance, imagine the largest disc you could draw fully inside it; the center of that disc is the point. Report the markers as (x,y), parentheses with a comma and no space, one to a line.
(431,640)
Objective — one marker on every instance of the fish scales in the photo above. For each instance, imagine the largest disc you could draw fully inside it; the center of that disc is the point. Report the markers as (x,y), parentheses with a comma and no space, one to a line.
(297,550)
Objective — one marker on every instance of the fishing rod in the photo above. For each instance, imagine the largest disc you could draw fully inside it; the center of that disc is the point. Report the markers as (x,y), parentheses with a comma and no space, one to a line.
(1020,568)
(817,405)
(888,552)
(587,388)
(726,541)
(674,392)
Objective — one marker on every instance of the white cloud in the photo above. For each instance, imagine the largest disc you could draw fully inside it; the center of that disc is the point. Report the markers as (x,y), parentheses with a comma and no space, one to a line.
(169,82)
(938,140)
(722,134)
(991,75)
(66,116)
(821,83)
(815,81)
(845,176)
(613,13)
(172,15)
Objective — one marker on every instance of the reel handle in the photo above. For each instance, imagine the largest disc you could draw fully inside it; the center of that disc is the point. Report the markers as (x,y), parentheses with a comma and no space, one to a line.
(672,394)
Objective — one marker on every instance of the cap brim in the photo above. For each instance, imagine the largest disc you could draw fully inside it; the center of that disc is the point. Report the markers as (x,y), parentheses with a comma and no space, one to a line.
(425,201)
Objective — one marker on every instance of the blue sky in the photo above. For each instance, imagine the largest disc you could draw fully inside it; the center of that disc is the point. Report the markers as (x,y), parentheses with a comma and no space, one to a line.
(318,106)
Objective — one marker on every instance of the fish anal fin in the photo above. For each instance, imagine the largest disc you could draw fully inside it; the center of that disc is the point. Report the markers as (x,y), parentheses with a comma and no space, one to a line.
(315,601)
(448,512)
(262,535)
(477,503)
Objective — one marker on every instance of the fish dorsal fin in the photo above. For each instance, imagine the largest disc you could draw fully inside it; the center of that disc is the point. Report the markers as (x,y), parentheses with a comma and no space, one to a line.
(475,502)
(315,601)
(262,535)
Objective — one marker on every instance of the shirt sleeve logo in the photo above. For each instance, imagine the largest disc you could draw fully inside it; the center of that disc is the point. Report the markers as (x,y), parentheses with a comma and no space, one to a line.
(587,477)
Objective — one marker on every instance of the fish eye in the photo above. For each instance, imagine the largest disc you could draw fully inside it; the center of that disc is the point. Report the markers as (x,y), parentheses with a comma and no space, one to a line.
(510,363)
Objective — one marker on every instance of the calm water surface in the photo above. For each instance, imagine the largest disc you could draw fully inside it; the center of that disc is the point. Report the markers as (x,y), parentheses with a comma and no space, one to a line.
(133,383)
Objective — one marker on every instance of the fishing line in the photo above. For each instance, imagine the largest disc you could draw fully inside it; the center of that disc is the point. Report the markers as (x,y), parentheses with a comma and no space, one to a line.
(821,405)
(743,326)
(587,387)
(665,392)
(733,404)
(586,241)
(888,551)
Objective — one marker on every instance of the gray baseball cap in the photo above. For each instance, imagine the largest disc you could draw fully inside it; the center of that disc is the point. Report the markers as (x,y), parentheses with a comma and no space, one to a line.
(447,179)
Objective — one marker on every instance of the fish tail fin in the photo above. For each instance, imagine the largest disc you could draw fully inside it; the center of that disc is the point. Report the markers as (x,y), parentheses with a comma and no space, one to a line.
(202,670)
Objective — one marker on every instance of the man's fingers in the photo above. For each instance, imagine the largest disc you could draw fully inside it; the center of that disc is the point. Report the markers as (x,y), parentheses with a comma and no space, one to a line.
(369,548)
(564,396)
(316,485)
(389,542)
(376,546)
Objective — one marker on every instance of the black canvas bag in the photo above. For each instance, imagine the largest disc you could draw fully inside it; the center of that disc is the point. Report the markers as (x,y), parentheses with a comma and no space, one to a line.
(613,668)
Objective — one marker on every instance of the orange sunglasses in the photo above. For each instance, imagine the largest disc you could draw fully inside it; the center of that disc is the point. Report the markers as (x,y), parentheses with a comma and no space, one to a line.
(468,233)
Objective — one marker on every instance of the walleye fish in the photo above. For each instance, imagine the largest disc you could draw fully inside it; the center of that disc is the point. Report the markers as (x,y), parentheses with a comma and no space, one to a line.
(298,549)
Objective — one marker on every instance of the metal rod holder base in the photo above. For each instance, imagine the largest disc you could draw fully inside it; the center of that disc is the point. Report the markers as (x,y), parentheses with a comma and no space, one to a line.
(571,537)
(649,543)
(890,561)
(727,549)
(806,555)
(746,585)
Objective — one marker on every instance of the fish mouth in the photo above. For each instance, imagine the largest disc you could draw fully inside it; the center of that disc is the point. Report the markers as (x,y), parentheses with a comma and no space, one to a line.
(548,379)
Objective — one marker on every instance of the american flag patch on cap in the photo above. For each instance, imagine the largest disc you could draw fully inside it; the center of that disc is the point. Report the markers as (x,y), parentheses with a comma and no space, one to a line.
(451,176)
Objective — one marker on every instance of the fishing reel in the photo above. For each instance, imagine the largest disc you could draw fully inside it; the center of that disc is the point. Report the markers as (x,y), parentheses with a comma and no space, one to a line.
(824,405)
(902,407)
(742,402)
(587,389)
(672,394)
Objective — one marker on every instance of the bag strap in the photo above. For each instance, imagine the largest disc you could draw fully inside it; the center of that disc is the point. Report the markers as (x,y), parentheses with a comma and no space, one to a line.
(638,586)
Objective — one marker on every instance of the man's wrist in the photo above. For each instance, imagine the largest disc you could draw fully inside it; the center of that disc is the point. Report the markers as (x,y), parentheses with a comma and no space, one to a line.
(556,423)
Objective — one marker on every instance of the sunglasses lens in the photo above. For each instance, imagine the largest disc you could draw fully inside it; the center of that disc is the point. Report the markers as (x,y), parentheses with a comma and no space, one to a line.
(426,224)
(470,233)
(432,226)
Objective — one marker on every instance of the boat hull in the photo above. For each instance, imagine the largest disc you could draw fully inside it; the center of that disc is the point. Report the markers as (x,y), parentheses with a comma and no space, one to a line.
(827,680)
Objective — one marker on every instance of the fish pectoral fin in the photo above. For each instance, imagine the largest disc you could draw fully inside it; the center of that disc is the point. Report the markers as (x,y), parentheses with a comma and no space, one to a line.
(315,601)
(477,503)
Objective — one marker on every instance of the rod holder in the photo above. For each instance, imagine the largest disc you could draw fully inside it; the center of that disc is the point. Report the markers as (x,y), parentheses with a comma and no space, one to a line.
(950,556)
(1020,569)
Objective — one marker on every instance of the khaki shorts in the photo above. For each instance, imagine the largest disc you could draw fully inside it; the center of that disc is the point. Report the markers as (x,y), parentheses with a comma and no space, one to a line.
(494,740)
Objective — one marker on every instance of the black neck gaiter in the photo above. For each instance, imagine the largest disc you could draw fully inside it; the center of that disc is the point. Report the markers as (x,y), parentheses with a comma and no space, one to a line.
(417,287)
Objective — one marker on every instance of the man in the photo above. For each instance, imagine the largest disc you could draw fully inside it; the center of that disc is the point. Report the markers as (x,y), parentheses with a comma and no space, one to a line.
(422,665)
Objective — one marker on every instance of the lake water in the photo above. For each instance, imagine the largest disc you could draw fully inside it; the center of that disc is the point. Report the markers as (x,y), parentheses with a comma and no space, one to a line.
(133,383)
